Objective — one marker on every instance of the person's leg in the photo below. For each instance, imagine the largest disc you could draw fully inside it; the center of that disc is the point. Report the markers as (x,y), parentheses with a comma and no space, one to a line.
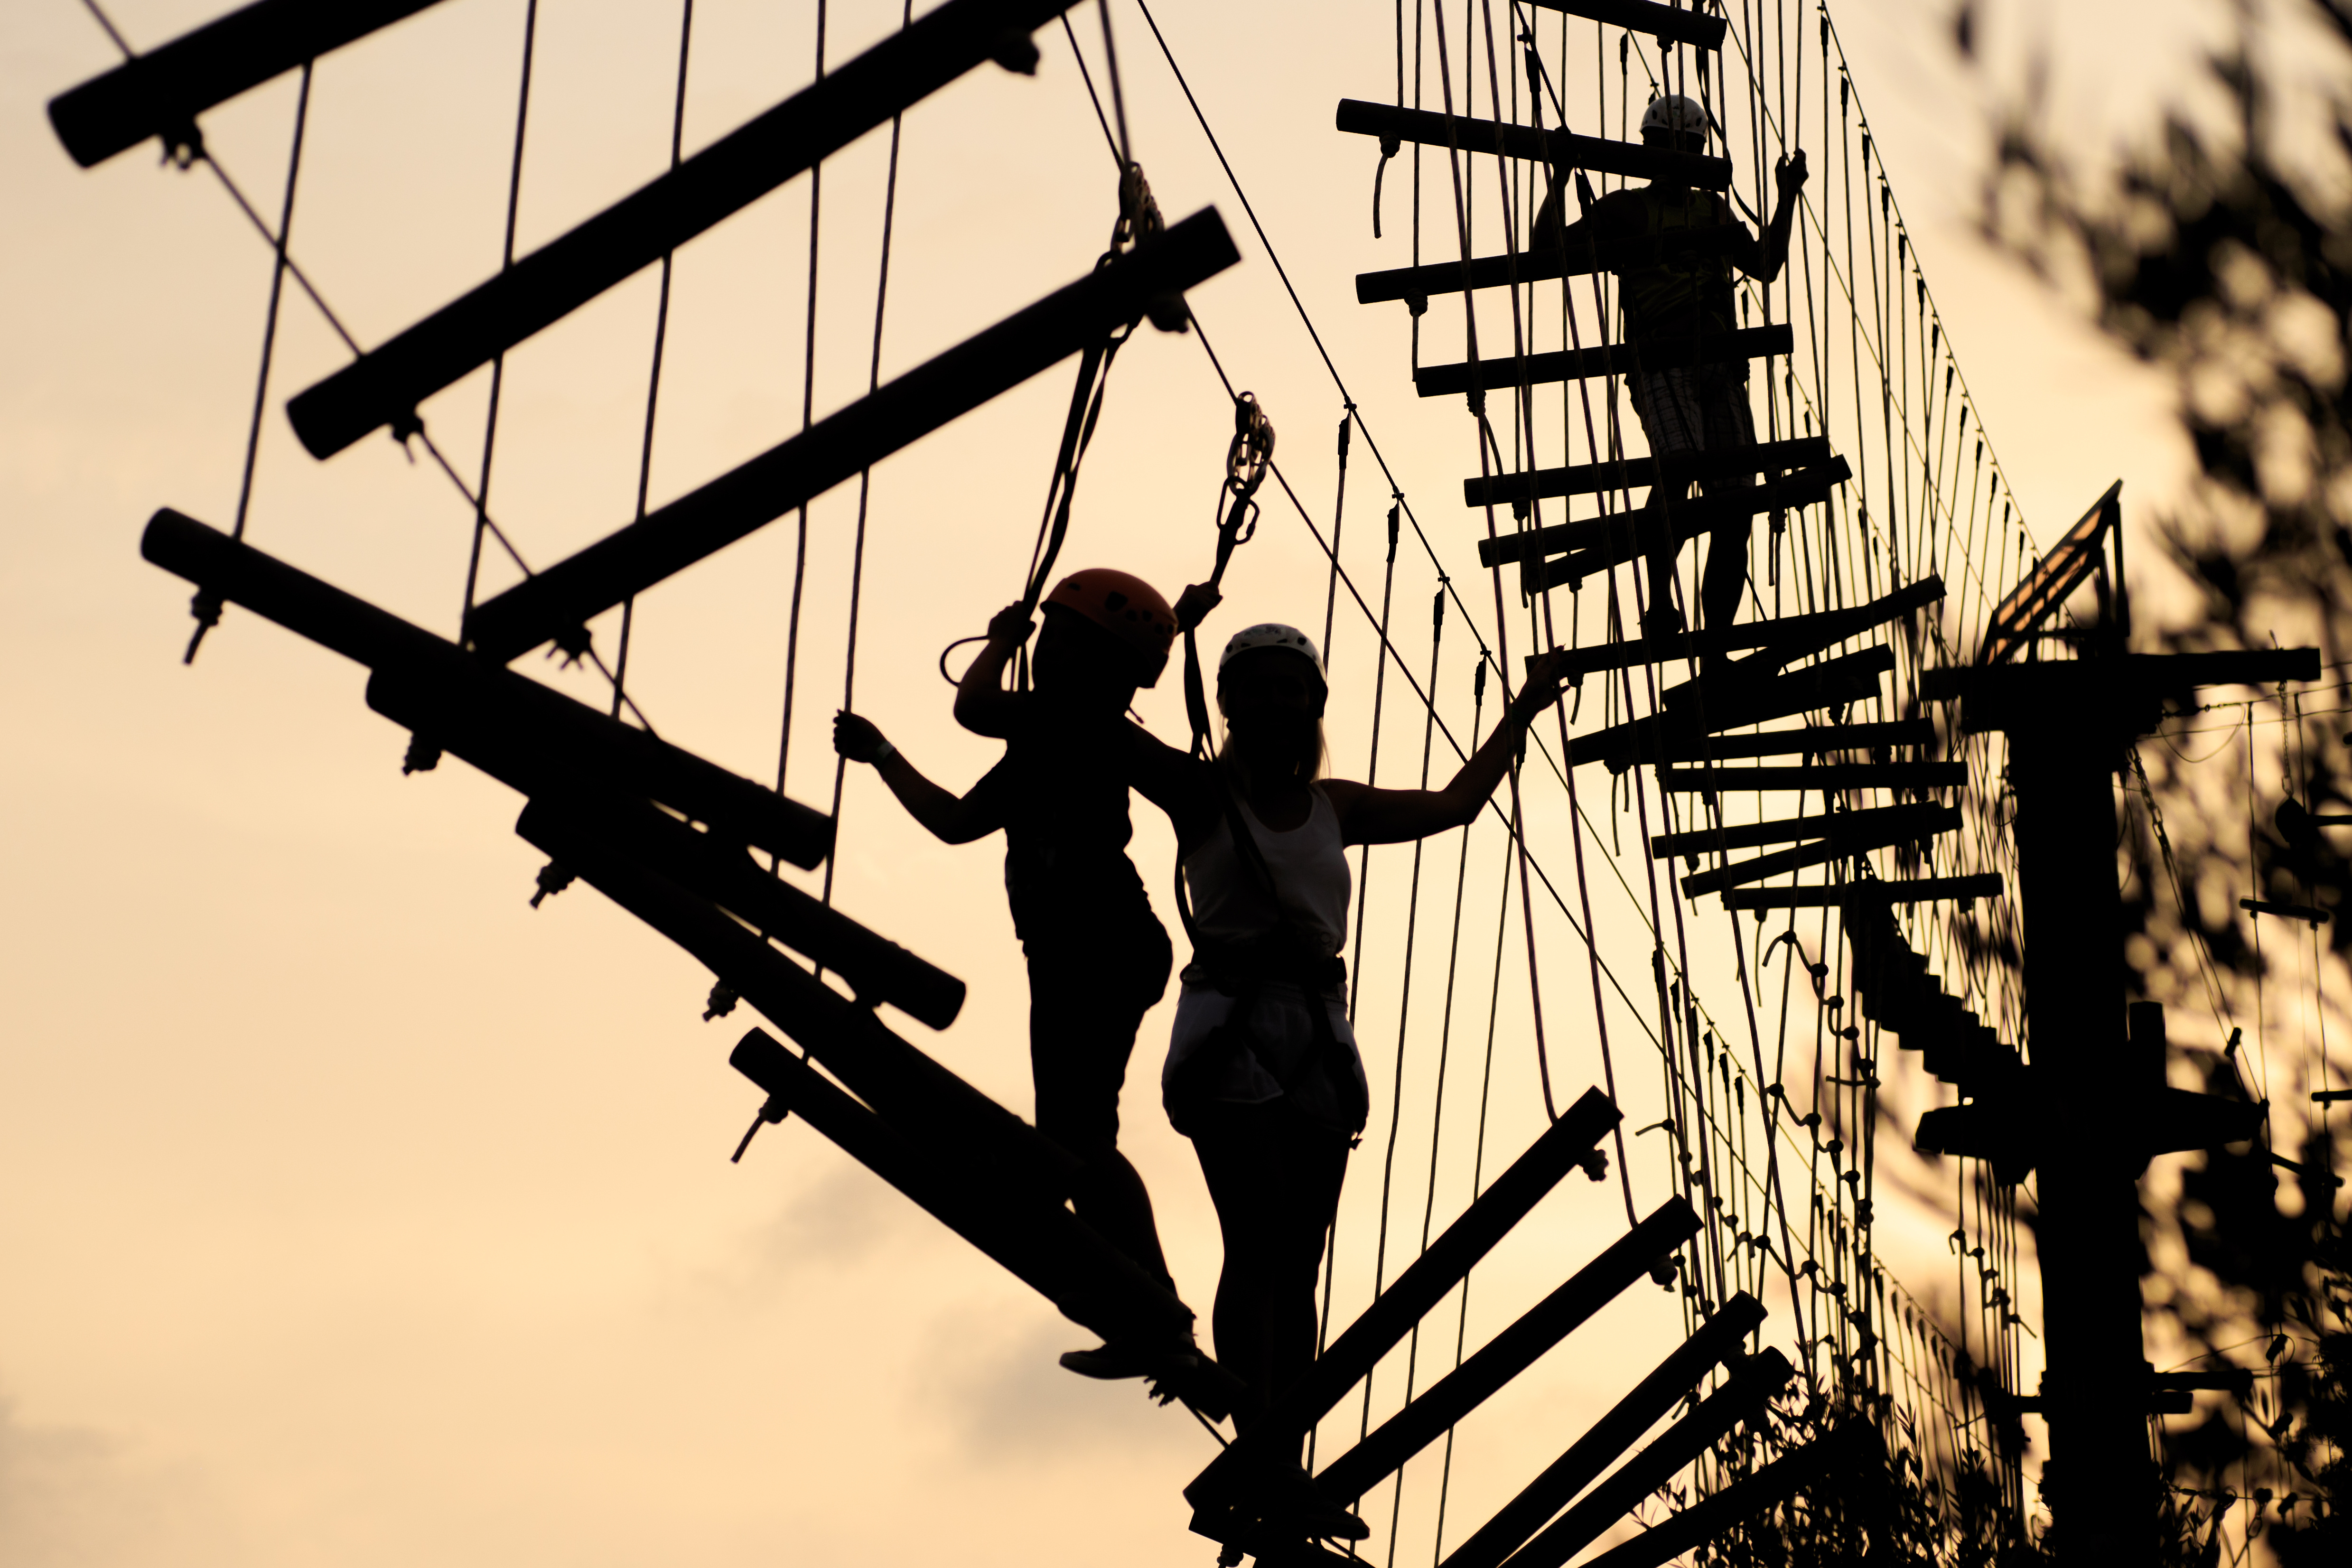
(1671,420)
(1311,1163)
(1245,1179)
(1726,424)
(1084,1010)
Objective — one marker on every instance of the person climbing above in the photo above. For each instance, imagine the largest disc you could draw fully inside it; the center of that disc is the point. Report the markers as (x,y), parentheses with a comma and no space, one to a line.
(1263,1073)
(1097,956)
(1676,300)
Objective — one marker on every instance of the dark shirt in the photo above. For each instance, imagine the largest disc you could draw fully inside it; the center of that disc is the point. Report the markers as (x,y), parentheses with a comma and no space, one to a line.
(1685,292)
(1061,795)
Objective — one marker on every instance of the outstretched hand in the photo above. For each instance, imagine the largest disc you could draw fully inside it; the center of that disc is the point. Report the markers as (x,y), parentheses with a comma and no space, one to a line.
(1789,173)
(856,738)
(1547,675)
(1194,604)
(1011,626)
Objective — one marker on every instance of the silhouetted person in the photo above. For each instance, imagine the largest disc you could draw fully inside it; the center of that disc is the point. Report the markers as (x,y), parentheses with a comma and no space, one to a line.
(1263,1073)
(1097,956)
(1675,299)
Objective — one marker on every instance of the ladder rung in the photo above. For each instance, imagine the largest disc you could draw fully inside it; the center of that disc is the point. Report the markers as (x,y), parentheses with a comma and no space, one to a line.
(560,600)
(1853,1447)
(1924,890)
(1604,359)
(1561,259)
(1565,149)
(1690,518)
(1755,834)
(1814,740)
(1669,22)
(160,93)
(1732,699)
(1788,638)
(1840,844)
(1824,776)
(385,386)
(1589,478)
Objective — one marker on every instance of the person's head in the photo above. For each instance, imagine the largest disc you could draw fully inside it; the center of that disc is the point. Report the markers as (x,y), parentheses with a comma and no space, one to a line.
(1271,690)
(1674,123)
(1105,633)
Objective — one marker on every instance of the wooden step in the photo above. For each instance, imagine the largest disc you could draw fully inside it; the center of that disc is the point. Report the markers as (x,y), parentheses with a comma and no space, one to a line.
(1821,776)
(1842,841)
(1690,518)
(1565,259)
(1788,638)
(1603,358)
(1812,740)
(1670,23)
(384,385)
(1562,149)
(1733,699)
(1921,891)
(1680,467)
(1754,835)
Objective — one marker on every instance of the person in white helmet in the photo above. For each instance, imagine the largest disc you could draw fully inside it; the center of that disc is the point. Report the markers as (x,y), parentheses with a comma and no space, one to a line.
(1677,296)
(1263,1073)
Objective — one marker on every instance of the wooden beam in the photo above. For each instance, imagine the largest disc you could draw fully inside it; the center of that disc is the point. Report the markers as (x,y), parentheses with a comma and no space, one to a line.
(1562,149)
(1604,359)
(1670,23)
(1752,835)
(877,969)
(1540,264)
(1921,891)
(527,735)
(1717,1339)
(1813,739)
(556,603)
(1507,1354)
(1271,1445)
(1741,1399)
(1690,518)
(160,93)
(1843,840)
(1823,776)
(1848,1446)
(1681,468)
(1752,692)
(385,386)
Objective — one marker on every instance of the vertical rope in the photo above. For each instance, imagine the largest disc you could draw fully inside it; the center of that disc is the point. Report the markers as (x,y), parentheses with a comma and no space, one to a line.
(499,361)
(808,405)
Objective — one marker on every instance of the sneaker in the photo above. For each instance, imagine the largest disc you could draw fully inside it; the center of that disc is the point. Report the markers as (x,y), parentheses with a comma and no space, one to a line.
(1133,1358)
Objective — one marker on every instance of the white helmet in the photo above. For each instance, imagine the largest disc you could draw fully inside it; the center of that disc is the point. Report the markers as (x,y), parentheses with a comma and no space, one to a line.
(1674,113)
(1269,633)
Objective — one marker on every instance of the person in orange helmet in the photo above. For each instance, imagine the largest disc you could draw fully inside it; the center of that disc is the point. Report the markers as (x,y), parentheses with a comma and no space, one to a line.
(1098,957)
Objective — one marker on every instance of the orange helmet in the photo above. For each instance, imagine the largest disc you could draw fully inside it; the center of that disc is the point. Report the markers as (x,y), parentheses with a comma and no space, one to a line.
(1128,607)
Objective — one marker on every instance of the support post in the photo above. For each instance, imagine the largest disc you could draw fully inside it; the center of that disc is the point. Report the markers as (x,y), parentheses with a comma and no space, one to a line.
(1508,1353)
(556,603)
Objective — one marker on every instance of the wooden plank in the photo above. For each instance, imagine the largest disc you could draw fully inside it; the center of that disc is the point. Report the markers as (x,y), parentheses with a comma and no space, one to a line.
(1730,698)
(1603,358)
(1681,468)
(1541,264)
(1824,1459)
(1786,638)
(1271,1445)
(160,93)
(877,969)
(1921,891)
(1819,776)
(1690,517)
(1754,835)
(556,605)
(1843,840)
(1813,739)
(1508,1353)
(529,736)
(1670,23)
(385,386)
(1716,1340)
(1562,149)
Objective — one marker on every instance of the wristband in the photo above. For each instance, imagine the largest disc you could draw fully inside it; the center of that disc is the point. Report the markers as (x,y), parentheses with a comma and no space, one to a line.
(883,753)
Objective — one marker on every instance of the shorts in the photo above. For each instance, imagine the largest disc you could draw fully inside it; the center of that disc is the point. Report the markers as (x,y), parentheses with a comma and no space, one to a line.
(1086,1001)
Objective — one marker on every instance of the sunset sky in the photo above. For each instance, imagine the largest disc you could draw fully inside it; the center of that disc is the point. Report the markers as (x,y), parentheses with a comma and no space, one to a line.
(358,1213)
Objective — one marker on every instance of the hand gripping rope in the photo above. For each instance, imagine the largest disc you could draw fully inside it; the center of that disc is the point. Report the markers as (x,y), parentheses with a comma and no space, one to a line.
(1248,458)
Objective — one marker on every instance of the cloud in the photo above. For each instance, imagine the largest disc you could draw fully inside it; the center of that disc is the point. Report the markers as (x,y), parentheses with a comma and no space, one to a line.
(1007,1402)
(845,1216)
(73,1496)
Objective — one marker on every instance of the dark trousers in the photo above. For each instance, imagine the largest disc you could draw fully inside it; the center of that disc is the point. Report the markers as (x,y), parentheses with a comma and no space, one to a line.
(1086,997)
(1274,1175)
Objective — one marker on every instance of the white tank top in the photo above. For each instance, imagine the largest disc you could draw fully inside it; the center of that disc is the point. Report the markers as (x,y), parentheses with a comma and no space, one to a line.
(1310,874)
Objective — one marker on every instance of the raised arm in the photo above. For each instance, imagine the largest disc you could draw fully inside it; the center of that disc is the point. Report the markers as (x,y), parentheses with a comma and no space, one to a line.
(982,705)
(956,820)
(1772,254)
(1369,816)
